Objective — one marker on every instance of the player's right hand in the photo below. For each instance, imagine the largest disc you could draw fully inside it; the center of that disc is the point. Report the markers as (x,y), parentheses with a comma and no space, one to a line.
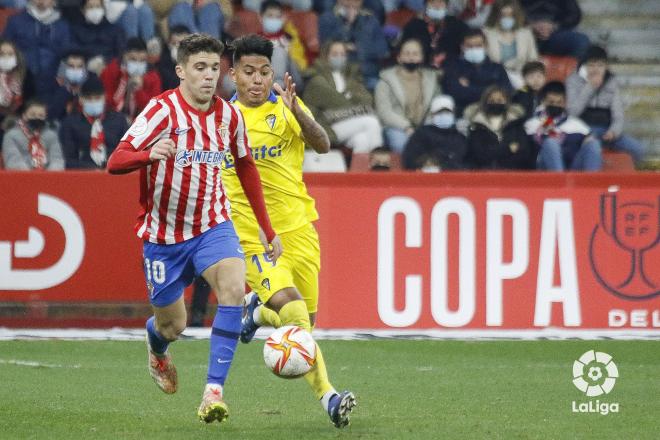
(162,150)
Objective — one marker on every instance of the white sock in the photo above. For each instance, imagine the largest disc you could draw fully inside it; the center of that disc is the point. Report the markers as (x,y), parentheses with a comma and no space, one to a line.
(213,386)
(325,400)
(256,315)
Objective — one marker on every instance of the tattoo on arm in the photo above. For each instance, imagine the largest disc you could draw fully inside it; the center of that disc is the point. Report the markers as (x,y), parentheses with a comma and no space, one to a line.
(312,133)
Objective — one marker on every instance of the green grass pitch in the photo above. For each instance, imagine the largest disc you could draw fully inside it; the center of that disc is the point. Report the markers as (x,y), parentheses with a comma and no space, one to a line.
(424,389)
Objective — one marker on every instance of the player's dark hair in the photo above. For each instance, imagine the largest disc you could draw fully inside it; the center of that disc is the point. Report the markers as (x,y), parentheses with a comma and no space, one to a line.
(135,45)
(553,88)
(533,66)
(251,44)
(197,43)
(270,4)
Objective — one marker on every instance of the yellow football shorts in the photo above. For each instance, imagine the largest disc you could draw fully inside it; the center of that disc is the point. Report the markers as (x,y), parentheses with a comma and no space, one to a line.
(298,267)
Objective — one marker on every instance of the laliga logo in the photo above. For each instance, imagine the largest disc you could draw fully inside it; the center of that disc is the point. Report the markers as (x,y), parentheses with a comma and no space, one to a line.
(69,262)
(622,249)
(183,158)
(595,373)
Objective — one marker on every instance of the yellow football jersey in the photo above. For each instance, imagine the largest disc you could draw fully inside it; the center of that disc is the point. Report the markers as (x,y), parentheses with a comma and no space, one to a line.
(278,151)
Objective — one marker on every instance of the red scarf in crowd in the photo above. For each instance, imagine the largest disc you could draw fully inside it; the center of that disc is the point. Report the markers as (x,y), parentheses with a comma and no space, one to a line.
(97,149)
(124,99)
(35,147)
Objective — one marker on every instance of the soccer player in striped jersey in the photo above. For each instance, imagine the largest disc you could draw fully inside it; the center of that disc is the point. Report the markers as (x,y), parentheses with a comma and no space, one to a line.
(178,143)
(278,128)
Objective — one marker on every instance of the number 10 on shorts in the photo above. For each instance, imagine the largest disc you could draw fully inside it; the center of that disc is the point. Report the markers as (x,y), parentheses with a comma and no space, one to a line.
(154,270)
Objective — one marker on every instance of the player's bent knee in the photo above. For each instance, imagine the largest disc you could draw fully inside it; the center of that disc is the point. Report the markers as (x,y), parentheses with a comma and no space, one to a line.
(172,329)
(282,297)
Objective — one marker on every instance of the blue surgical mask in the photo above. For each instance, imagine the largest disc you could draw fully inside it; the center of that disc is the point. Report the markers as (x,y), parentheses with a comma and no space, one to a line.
(272,25)
(507,23)
(443,120)
(136,68)
(93,108)
(475,55)
(436,13)
(337,63)
(75,75)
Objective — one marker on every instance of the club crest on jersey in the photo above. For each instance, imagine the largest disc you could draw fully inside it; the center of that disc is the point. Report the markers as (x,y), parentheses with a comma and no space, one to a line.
(185,158)
(270,120)
(266,283)
(223,132)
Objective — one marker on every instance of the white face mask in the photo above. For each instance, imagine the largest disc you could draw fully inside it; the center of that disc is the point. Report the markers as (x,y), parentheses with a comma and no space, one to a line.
(430,169)
(136,68)
(507,23)
(443,120)
(94,15)
(475,55)
(7,63)
(93,108)
(272,25)
(436,13)
(74,75)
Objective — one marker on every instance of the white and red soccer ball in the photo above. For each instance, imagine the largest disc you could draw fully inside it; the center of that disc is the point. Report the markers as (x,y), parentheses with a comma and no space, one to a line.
(290,352)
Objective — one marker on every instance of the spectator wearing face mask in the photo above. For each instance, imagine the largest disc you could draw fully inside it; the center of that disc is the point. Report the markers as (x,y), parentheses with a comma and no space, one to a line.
(135,17)
(439,32)
(31,144)
(89,135)
(340,102)
(380,159)
(508,41)
(361,32)
(71,74)
(167,61)
(594,96)
(15,81)
(93,35)
(288,50)
(465,79)
(404,93)
(201,16)
(564,142)
(472,12)
(128,84)
(496,134)
(528,97)
(437,145)
(43,37)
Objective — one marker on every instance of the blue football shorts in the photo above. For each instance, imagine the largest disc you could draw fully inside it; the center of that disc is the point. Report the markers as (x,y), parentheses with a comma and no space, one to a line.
(170,268)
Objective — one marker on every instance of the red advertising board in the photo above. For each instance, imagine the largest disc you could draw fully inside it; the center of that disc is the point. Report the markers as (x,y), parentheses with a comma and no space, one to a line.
(400,251)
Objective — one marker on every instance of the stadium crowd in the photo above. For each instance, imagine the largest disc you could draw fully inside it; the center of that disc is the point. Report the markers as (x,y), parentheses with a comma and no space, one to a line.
(440,84)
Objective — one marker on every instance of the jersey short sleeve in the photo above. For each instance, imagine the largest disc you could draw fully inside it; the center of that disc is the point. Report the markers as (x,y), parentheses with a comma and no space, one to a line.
(150,125)
(241,143)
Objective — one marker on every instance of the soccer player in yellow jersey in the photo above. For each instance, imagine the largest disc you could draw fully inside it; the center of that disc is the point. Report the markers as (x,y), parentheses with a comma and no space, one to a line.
(278,128)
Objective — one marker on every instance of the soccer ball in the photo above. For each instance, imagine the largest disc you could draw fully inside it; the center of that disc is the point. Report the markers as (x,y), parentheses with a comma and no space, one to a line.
(290,352)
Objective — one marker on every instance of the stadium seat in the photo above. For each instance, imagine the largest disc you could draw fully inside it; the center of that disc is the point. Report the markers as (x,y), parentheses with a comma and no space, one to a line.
(360,163)
(331,162)
(307,23)
(244,22)
(617,161)
(558,67)
(399,18)
(5,13)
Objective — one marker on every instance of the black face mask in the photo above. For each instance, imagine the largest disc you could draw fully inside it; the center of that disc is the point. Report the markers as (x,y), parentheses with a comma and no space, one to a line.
(495,109)
(35,124)
(380,168)
(554,111)
(411,67)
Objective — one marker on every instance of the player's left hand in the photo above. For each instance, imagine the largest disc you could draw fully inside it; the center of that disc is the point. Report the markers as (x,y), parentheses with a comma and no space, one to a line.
(274,249)
(288,94)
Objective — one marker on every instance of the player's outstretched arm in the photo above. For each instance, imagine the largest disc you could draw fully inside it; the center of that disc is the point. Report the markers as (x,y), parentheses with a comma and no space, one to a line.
(312,133)
(126,159)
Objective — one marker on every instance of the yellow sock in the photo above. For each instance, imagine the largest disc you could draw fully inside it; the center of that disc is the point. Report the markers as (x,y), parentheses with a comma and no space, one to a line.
(295,313)
(269,317)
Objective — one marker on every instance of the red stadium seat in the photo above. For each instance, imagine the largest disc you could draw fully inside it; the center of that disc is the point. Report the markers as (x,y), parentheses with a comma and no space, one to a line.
(400,17)
(5,13)
(244,22)
(360,163)
(307,23)
(617,161)
(558,67)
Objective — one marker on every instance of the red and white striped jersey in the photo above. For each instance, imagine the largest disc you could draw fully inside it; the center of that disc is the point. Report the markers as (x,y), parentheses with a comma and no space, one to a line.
(183,196)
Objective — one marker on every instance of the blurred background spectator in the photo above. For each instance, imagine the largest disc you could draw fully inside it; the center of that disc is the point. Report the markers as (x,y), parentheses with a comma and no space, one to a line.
(71,74)
(507,40)
(528,97)
(288,50)
(438,145)
(43,37)
(90,134)
(128,84)
(167,61)
(466,78)
(593,95)
(340,101)
(472,12)
(554,23)
(30,144)
(496,134)
(135,17)
(205,16)
(361,32)
(380,159)
(441,34)
(563,141)
(404,93)
(15,81)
